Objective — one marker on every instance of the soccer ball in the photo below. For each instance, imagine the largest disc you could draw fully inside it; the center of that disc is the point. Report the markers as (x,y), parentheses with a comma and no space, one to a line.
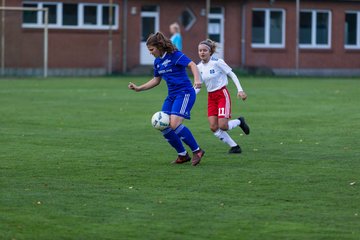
(160,120)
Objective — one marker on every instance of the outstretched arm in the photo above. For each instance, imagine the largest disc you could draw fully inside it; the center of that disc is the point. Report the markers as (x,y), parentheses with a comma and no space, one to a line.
(195,72)
(150,84)
(241,94)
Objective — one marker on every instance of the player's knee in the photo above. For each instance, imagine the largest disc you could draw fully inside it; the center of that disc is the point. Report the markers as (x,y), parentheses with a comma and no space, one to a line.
(174,125)
(175,122)
(224,127)
(214,127)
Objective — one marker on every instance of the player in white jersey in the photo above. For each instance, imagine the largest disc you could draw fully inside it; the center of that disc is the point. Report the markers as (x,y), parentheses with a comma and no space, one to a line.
(214,73)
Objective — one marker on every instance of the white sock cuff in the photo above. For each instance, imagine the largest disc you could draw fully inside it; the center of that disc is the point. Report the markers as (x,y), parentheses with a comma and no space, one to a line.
(233,123)
(182,153)
(218,132)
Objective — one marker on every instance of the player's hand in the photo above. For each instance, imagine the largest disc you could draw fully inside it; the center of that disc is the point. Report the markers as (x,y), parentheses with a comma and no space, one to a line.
(197,85)
(133,86)
(242,95)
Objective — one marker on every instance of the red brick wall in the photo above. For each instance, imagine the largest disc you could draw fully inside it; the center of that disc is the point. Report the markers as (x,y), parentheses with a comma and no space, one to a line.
(335,57)
(67,48)
(89,48)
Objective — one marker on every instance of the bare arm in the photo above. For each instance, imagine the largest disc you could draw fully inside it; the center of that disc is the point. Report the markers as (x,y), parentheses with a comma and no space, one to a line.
(148,85)
(195,72)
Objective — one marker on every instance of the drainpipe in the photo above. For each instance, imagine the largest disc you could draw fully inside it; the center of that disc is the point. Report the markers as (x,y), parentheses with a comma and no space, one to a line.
(110,36)
(243,41)
(207,17)
(297,37)
(3,40)
(124,38)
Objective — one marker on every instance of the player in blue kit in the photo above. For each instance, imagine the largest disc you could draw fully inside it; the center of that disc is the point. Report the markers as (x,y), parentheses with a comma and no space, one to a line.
(170,64)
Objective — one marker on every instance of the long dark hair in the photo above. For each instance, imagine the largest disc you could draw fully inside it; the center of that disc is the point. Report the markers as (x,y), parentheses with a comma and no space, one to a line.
(161,42)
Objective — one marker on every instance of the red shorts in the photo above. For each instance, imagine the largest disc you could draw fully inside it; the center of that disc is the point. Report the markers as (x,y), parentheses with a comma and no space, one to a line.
(219,103)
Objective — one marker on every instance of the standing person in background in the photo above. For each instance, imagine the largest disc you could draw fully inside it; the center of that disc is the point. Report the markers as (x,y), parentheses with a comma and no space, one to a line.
(176,38)
(214,73)
(170,65)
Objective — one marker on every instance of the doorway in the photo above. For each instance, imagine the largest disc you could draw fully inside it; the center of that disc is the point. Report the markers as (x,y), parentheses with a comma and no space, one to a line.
(149,24)
(216,29)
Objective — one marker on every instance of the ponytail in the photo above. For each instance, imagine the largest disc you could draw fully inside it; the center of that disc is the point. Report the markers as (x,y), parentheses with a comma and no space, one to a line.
(161,42)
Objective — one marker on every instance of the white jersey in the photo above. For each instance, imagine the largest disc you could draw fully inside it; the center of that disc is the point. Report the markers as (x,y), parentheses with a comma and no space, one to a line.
(215,74)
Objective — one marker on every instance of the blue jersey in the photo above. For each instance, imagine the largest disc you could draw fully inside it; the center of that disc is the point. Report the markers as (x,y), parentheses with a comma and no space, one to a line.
(172,68)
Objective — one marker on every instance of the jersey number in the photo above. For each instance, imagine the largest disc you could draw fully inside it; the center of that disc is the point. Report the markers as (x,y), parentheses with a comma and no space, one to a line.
(221,111)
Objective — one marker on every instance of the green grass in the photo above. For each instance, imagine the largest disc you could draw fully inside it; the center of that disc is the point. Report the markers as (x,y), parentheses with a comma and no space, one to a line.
(80,160)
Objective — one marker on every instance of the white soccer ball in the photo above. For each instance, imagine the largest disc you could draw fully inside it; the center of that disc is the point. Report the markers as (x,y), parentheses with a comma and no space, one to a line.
(160,120)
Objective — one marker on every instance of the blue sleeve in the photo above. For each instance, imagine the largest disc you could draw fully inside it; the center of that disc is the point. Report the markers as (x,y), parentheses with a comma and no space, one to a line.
(182,59)
(156,73)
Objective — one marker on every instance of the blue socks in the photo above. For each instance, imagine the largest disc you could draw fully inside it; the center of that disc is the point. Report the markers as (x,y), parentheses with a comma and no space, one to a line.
(186,136)
(174,138)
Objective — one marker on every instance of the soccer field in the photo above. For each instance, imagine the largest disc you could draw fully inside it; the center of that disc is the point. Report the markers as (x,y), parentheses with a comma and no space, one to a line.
(79,159)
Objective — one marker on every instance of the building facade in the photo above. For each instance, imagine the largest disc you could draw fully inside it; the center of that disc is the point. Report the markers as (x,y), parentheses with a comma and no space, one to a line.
(96,37)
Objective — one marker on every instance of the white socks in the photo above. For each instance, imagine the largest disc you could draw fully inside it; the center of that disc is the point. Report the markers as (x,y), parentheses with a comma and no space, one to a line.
(233,123)
(225,137)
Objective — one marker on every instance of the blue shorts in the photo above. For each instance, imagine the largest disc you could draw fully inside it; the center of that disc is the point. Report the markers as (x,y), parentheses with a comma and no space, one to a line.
(180,104)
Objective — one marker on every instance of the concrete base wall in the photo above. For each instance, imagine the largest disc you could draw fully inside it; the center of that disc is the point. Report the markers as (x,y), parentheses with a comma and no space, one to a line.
(54,72)
(318,72)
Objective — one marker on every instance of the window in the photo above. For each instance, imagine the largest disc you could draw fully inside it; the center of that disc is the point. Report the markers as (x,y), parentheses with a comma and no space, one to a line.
(187,19)
(214,29)
(106,15)
(148,27)
(90,15)
(69,14)
(149,8)
(30,16)
(314,29)
(52,13)
(268,27)
(73,16)
(216,10)
(352,30)
(216,25)
(149,22)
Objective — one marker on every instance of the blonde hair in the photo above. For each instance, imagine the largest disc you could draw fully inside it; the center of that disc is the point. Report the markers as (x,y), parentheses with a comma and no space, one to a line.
(211,44)
(175,26)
